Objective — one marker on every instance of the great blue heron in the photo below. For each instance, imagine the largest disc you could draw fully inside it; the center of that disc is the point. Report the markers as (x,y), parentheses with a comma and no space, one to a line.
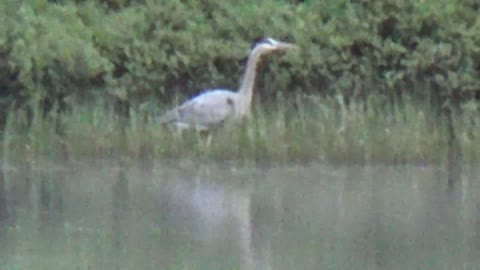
(213,107)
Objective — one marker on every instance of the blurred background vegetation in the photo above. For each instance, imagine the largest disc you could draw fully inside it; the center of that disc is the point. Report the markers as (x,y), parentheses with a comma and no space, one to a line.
(134,57)
(154,50)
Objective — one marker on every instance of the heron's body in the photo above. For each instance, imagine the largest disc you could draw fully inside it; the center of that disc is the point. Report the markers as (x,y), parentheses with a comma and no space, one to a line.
(204,111)
(213,107)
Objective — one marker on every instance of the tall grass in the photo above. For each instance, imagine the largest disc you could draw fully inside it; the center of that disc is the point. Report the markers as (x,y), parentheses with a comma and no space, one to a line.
(305,128)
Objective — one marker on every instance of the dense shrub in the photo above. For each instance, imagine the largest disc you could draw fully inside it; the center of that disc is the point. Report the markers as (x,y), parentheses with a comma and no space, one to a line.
(136,50)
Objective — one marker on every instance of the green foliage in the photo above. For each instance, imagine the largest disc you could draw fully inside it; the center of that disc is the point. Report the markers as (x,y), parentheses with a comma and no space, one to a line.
(325,129)
(52,50)
(357,64)
(137,50)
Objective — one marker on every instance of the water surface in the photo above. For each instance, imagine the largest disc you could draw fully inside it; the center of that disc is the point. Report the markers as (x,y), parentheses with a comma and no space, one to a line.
(104,214)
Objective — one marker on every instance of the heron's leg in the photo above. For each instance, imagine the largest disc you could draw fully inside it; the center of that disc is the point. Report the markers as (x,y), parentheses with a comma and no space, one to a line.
(209,140)
(207,137)
(179,131)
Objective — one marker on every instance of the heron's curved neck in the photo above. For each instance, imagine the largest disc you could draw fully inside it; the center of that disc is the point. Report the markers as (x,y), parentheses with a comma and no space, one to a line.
(246,88)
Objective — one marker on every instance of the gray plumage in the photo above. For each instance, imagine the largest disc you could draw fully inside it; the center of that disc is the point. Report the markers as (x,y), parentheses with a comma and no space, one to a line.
(202,112)
(213,107)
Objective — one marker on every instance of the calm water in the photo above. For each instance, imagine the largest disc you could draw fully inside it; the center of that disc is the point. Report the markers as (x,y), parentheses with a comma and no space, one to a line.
(188,215)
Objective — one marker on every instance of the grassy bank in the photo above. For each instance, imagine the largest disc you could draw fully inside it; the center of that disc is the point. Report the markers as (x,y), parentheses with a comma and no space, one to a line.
(306,128)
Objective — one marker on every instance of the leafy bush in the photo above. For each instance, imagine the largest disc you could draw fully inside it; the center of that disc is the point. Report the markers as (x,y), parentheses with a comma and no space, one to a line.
(156,49)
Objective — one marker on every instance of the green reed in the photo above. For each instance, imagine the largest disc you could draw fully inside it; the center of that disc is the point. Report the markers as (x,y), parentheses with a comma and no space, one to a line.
(300,129)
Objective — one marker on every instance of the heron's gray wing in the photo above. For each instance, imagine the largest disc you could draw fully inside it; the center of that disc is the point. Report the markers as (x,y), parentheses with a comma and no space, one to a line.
(205,110)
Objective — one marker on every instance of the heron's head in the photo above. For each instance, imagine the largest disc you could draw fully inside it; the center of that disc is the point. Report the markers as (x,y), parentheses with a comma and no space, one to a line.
(265,45)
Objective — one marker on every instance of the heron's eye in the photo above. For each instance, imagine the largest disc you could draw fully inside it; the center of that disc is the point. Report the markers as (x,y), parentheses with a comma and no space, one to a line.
(267,41)
(263,40)
(270,41)
(229,101)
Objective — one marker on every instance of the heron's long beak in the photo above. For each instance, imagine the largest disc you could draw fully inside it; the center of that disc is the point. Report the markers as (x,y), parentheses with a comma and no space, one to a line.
(286,46)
